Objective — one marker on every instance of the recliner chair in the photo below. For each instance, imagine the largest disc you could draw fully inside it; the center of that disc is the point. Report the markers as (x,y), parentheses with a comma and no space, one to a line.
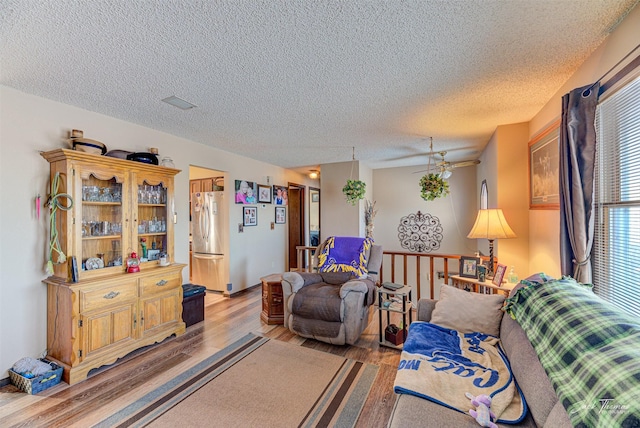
(331,307)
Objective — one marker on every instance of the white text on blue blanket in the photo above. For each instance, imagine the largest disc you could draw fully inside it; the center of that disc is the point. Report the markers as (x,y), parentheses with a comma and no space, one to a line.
(452,361)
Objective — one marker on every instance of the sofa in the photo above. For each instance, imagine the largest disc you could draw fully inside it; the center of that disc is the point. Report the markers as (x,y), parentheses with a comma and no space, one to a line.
(541,391)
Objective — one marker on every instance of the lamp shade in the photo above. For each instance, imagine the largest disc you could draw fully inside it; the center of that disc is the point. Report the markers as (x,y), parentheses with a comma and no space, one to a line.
(491,224)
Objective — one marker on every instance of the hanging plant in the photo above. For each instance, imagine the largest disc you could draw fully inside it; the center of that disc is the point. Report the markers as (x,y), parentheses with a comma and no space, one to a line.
(433,186)
(354,190)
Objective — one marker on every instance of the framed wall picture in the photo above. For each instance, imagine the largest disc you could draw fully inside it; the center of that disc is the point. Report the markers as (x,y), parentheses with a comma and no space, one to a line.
(544,169)
(246,192)
(499,275)
(280,195)
(281,215)
(469,267)
(250,216)
(264,194)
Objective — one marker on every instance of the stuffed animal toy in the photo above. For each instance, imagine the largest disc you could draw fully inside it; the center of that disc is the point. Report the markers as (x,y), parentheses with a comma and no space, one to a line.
(482,413)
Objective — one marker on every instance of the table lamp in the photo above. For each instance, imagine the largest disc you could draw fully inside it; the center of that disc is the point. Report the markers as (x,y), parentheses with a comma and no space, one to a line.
(491,224)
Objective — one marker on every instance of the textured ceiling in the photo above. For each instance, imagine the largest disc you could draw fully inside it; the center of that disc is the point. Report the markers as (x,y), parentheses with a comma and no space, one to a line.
(299,83)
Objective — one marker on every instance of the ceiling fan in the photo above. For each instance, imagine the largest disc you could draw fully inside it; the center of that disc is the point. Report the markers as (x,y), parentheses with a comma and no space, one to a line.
(444,168)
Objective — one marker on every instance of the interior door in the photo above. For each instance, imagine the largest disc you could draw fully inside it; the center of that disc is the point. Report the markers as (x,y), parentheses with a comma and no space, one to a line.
(296,223)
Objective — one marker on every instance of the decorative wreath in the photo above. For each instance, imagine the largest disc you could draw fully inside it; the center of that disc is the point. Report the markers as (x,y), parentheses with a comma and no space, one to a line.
(421,233)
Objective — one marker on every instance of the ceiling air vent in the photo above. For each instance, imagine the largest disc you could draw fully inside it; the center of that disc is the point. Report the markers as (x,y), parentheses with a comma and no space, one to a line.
(179,102)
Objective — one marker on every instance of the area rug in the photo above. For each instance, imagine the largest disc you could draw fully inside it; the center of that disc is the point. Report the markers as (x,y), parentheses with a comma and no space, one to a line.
(257,382)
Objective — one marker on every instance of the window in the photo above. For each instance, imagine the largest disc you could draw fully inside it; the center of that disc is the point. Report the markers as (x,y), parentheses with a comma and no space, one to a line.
(616,250)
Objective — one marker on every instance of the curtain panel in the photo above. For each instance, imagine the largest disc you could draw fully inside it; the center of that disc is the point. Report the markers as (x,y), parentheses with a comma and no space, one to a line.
(577,161)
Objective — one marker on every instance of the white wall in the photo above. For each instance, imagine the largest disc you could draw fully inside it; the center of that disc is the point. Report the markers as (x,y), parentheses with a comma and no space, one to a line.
(196,172)
(512,196)
(30,124)
(503,164)
(366,175)
(488,170)
(337,216)
(397,194)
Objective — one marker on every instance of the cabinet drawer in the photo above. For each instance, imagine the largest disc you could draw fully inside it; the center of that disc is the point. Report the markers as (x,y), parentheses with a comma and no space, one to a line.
(109,295)
(160,283)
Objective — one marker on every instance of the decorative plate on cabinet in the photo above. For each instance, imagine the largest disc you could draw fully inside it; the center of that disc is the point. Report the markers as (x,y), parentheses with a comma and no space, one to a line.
(93,263)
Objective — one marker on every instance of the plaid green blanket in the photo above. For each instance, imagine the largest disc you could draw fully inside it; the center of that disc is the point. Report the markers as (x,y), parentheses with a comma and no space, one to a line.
(589,348)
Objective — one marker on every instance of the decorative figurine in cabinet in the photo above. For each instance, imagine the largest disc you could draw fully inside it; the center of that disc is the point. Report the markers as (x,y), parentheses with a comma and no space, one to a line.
(119,207)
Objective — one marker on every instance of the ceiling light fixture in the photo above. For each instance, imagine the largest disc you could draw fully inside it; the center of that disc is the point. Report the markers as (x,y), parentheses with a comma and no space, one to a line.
(314,174)
(445,174)
(179,102)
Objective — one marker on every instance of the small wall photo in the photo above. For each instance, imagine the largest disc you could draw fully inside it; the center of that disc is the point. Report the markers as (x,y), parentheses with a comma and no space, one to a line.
(264,194)
(250,216)
(281,215)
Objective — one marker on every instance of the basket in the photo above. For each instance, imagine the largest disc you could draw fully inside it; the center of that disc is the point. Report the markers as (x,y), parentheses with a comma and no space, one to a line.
(397,338)
(39,383)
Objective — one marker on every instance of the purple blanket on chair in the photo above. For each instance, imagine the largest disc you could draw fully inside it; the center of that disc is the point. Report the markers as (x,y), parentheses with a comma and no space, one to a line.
(345,254)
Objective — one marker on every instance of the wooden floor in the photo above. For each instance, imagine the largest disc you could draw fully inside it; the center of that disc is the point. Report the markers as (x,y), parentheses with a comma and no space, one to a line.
(226,320)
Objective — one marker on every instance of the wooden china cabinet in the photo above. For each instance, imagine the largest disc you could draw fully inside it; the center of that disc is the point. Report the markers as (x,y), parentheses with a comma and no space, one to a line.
(118,207)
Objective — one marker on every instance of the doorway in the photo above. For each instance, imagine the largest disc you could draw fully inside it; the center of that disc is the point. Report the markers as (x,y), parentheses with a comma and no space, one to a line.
(208,229)
(297,230)
(314,216)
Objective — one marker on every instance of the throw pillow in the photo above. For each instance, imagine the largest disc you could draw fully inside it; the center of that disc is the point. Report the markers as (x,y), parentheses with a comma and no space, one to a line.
(468,312)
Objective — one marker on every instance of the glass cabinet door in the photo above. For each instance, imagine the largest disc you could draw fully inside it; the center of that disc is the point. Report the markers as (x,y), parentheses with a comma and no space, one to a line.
(101,228)
(152,220)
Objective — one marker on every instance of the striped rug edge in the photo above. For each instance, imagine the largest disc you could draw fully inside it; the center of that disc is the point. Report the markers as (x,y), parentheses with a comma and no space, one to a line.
(343,398)
(158,401)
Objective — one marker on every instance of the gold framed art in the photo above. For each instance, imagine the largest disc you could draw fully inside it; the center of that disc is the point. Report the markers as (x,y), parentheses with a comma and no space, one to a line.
(544,169)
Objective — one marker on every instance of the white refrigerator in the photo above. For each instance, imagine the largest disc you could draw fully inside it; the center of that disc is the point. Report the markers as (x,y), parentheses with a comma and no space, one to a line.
(207,224)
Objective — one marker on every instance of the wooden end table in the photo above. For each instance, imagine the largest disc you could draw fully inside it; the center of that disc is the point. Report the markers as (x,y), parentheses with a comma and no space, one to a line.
(272,299)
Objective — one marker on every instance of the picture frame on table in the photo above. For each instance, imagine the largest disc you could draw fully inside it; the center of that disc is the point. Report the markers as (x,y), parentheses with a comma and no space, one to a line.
(544,169)
(264,194)
(281,215)
(499,275)
(469,267)
(250,216)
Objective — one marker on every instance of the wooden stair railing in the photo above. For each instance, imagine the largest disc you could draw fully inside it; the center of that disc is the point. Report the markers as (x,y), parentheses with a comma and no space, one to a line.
(305,258)
(413,263)
(410,263)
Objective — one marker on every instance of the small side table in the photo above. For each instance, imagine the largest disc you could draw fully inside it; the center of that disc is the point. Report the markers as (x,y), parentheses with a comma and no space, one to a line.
(272,299)
(402,307)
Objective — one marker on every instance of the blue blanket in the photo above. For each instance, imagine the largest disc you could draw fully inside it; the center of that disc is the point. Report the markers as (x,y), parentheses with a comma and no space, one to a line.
(441,365)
